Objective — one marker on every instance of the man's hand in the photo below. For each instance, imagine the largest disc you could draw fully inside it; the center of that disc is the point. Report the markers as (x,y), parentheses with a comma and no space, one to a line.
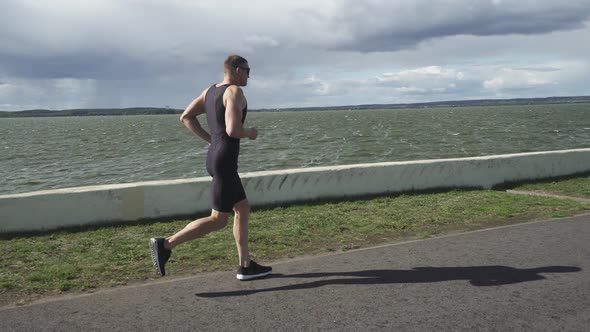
(252,133)
(189,116)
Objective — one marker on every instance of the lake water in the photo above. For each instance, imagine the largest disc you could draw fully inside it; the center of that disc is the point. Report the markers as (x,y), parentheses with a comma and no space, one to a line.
(49,153)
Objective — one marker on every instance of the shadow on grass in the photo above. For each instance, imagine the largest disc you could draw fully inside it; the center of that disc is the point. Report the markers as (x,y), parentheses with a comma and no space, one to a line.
(511,185)
(476,275)
(94,226)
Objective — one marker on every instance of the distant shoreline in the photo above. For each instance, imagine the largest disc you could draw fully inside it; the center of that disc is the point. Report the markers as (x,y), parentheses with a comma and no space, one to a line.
(163,111)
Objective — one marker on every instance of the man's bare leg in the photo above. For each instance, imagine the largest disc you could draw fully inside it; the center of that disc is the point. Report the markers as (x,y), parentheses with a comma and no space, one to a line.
(162,248)
(248,269)
(242,210)
(198,228)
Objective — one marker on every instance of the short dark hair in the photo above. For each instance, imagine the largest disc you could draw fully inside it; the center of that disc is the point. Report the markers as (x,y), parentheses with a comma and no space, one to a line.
(233,61)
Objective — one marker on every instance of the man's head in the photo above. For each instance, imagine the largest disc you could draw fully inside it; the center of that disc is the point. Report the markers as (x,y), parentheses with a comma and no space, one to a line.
(236,69)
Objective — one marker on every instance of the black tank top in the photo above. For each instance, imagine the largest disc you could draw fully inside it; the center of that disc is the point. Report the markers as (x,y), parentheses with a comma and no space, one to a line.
(222,145)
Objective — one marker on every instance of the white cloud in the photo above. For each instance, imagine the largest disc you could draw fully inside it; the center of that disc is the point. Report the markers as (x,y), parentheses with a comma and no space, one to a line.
(494,84)
(536,77)
(316,85)
(263,41)
(429,83)
(426,74)
(510,79)
(410,90)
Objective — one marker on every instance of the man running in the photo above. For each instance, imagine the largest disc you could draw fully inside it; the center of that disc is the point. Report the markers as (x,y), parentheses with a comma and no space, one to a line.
(225,107)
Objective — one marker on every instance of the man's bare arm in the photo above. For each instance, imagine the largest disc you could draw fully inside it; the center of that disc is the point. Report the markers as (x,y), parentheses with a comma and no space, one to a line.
(189,117)
(235,102)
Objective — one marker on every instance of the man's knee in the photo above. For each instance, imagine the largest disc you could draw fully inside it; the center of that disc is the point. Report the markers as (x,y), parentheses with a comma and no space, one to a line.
(219,219)
(242,208)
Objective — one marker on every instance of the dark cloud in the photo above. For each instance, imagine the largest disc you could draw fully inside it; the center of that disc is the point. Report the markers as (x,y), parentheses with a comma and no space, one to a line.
(408,27)
(58,66)
(87,65)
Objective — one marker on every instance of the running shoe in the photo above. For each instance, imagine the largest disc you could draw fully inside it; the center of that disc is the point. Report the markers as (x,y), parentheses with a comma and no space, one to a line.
(253,271)
(160,255)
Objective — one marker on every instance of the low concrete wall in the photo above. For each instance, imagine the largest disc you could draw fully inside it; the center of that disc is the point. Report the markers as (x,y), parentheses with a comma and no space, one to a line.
(43,210)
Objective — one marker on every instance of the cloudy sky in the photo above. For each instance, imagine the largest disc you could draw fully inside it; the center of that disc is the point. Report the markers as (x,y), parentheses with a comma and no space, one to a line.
(62,54)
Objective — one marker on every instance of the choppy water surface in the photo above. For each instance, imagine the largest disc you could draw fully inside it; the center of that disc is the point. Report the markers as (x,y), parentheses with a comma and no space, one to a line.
(48,153)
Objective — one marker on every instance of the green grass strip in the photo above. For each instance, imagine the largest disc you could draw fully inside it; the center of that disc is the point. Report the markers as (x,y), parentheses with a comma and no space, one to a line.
(81,261)
(574,187)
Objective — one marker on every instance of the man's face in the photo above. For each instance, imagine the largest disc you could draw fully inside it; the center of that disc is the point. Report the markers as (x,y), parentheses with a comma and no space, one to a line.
(243,74)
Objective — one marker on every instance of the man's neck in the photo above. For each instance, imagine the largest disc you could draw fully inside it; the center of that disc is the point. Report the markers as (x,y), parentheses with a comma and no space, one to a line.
(228,80)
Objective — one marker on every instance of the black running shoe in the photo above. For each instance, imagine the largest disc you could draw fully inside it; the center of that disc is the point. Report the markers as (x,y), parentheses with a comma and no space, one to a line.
(160,255)
(253,271)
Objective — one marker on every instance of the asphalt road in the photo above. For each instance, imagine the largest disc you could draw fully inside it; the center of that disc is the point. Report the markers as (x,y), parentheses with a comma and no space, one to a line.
(526,277)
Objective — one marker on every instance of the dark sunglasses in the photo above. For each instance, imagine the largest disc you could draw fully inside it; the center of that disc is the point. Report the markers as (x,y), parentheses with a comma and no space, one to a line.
(246,69)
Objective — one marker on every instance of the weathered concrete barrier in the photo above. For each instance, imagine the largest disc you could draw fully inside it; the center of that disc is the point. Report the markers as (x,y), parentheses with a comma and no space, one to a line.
(44,210)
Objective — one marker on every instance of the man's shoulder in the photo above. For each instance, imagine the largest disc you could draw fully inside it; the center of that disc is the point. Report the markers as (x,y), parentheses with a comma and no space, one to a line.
(234,91)
(205,91)
(234,88)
